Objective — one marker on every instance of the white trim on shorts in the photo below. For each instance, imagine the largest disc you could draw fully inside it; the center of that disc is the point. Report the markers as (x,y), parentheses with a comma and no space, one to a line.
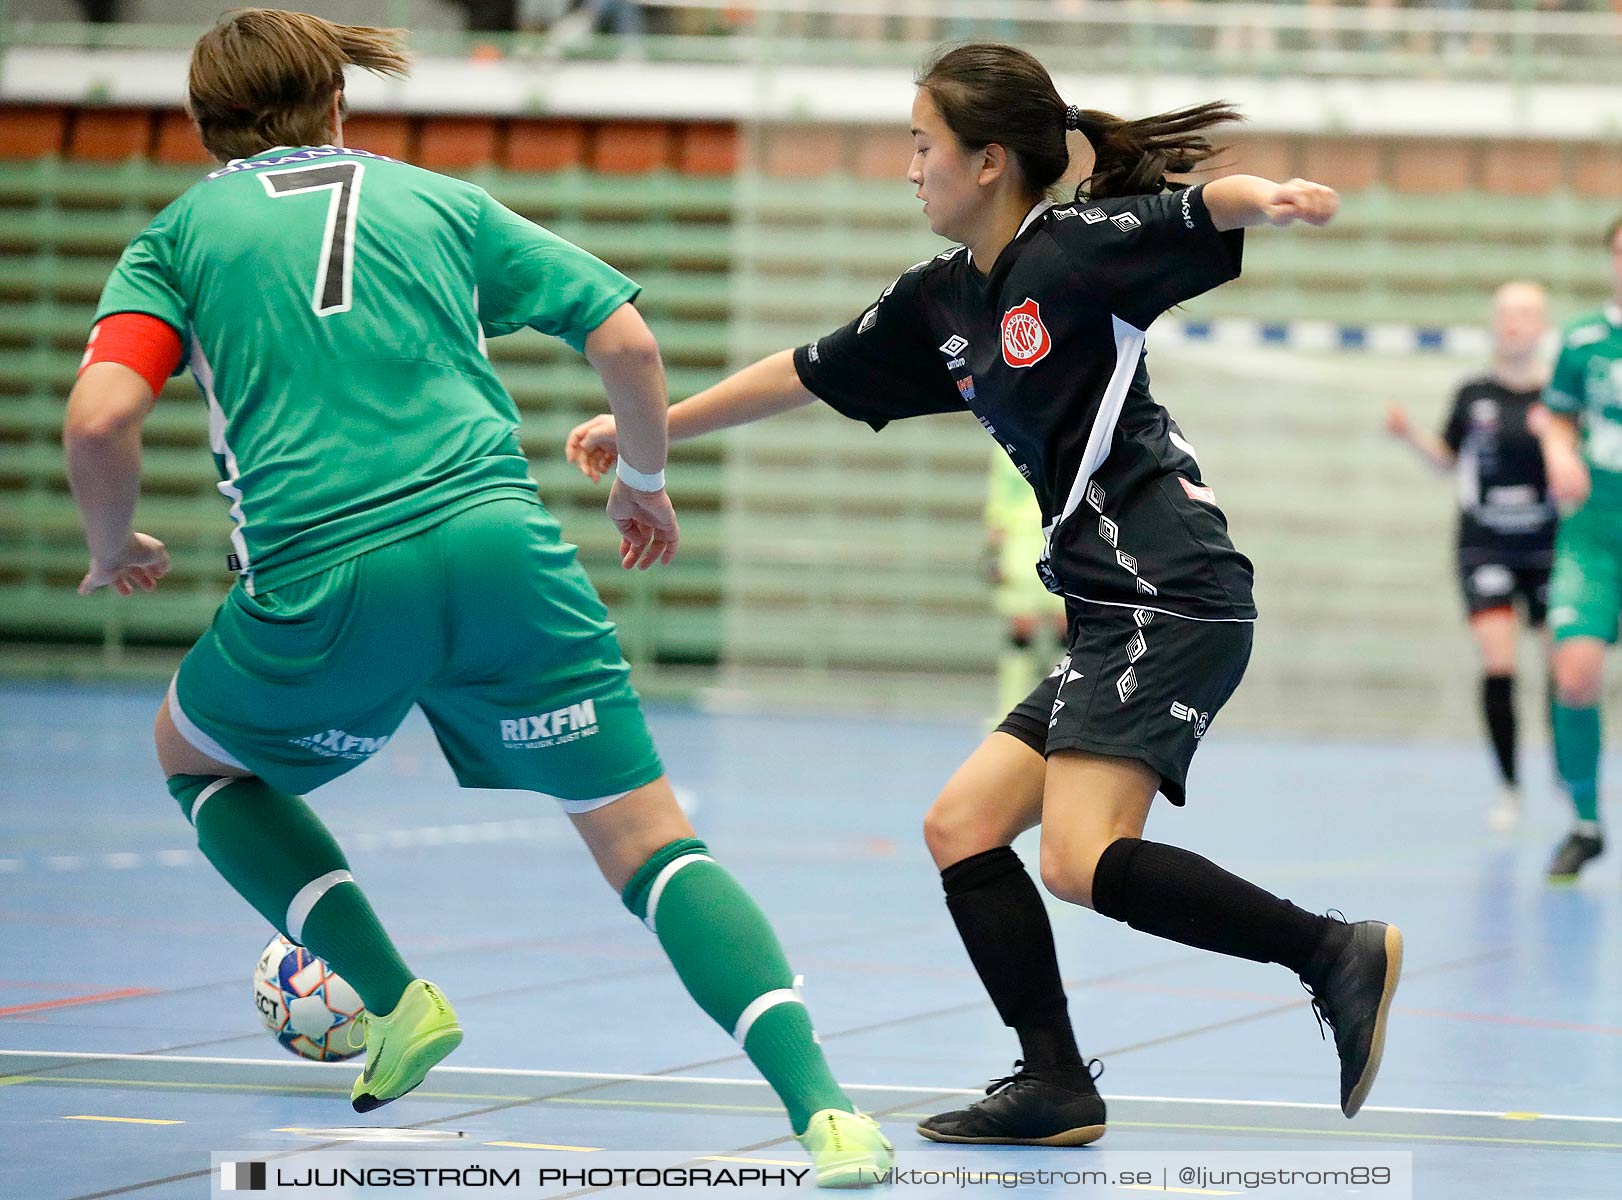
(575,807)
(195,737)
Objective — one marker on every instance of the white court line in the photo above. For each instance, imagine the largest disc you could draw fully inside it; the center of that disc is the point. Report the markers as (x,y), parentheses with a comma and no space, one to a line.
(526,1073)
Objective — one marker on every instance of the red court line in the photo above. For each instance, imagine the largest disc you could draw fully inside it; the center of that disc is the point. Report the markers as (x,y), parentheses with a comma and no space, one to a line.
(17,1010)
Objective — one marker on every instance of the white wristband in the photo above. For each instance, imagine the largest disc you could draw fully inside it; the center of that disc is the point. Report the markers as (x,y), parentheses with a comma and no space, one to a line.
(642,481)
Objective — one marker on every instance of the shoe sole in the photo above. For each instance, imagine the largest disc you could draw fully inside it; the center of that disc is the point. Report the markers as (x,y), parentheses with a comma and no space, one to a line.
(416,1065)
(1080,1136)
(1393,970)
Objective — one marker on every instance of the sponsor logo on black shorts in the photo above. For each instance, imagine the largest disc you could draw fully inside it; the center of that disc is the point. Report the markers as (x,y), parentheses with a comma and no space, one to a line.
(1200,720)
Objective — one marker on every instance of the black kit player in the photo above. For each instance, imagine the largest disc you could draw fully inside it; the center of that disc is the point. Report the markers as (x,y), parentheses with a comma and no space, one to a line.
(1036,325)
(1507,518)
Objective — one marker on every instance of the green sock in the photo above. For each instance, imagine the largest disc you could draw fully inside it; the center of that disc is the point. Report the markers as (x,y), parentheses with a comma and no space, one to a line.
(274,850)
(1576,756)
(731,963)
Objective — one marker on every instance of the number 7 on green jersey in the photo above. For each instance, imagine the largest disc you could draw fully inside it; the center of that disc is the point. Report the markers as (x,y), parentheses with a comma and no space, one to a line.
(334,275)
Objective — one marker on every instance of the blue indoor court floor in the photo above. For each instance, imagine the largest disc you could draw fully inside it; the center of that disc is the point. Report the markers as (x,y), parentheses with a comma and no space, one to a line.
(130,1048)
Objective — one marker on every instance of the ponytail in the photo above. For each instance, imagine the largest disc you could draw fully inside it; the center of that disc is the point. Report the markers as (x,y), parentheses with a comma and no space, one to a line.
(1133,158)
(265,77)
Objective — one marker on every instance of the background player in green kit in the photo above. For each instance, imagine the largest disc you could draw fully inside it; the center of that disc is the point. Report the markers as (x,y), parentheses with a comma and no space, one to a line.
(333,306)
(1035,620)
(1582,450)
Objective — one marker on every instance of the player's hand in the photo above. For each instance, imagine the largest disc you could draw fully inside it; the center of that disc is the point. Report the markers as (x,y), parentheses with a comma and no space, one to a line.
(1396,421)
(1301,200)
(594,447)
(143,562)
(647,525)
(1568,479)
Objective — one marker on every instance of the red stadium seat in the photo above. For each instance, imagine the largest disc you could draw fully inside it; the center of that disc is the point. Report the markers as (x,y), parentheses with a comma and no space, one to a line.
(545,145)
(110,134)
(454,143)
(30,132)
(381,133)
(708,150)
(631,147)
(178,141)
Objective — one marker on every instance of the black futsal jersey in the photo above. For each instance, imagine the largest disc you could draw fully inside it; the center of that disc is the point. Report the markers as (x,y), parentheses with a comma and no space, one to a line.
(1047,351)
(1505,513)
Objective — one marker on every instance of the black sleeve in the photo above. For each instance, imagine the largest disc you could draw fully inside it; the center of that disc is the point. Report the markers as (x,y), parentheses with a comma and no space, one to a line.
(1143,254)
(1458,421)
(882,366)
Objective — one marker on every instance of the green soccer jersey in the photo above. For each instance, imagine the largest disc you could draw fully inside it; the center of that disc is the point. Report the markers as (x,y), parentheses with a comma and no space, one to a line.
(1587,385)
(333,306)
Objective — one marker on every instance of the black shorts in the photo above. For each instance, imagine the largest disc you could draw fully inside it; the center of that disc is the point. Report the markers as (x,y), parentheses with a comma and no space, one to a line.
(1487,585)
(1136,684)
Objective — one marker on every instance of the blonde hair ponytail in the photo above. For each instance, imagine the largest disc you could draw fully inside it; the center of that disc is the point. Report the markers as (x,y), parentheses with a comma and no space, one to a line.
(264,77)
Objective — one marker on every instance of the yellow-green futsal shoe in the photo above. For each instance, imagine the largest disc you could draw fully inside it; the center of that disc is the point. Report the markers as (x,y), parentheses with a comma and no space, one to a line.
(847,1149)
(402,1047)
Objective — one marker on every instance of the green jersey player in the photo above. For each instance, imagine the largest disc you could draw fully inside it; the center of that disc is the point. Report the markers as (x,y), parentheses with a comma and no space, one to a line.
(333,305)
(1582,447)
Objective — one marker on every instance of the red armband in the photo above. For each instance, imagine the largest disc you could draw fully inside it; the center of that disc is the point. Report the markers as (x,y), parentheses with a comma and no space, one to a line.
(144,344)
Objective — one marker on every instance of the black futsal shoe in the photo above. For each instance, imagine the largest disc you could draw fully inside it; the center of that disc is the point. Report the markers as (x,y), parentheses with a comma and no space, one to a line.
(1572,853)
(1354,997)
(1035,1106)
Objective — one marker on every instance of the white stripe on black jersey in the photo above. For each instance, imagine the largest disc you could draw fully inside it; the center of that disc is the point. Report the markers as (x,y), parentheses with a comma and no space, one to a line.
(1505,513)
(1047,351)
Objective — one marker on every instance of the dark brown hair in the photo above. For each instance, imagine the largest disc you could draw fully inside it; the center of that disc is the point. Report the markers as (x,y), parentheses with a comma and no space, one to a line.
(1611,230)
(263,77)
(989,93)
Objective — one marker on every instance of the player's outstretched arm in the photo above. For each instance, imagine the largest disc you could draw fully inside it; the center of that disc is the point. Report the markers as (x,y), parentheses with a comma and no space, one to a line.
(102,437)
(762,390)
(1432,450)
(1242,201)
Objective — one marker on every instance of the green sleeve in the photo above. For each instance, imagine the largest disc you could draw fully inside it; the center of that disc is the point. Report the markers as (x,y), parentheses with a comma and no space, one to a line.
(1564,394)
(144,282)
(530,276)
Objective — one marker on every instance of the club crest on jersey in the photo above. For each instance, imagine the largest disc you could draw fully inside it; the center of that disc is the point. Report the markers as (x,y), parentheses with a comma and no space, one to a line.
(1025,339)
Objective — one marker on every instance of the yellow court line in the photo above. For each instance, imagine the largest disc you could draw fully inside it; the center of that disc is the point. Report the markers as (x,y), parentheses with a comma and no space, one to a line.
(763,1162)
(280,1089)
(126,1120)
(545,1146)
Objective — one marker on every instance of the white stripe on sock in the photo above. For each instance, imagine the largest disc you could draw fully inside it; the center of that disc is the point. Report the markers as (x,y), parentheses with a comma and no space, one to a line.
(308,896)
(761,1005)
(202,796)
(660,880)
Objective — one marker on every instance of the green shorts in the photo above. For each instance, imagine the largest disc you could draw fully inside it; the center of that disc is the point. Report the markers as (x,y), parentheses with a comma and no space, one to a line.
(485,620)
(1585,588)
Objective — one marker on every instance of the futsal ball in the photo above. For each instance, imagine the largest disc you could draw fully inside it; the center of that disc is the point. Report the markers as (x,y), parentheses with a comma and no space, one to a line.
(305,1005)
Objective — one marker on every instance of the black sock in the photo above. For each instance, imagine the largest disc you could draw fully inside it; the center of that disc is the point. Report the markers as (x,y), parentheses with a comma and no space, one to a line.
(1174,894)
(1005,929)
(1498,708)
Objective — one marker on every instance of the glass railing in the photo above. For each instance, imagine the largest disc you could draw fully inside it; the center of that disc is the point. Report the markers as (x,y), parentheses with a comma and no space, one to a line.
(1515,40)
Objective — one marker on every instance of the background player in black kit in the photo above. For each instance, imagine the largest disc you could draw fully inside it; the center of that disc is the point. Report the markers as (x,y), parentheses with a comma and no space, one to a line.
(1036,324)
(1506,517)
